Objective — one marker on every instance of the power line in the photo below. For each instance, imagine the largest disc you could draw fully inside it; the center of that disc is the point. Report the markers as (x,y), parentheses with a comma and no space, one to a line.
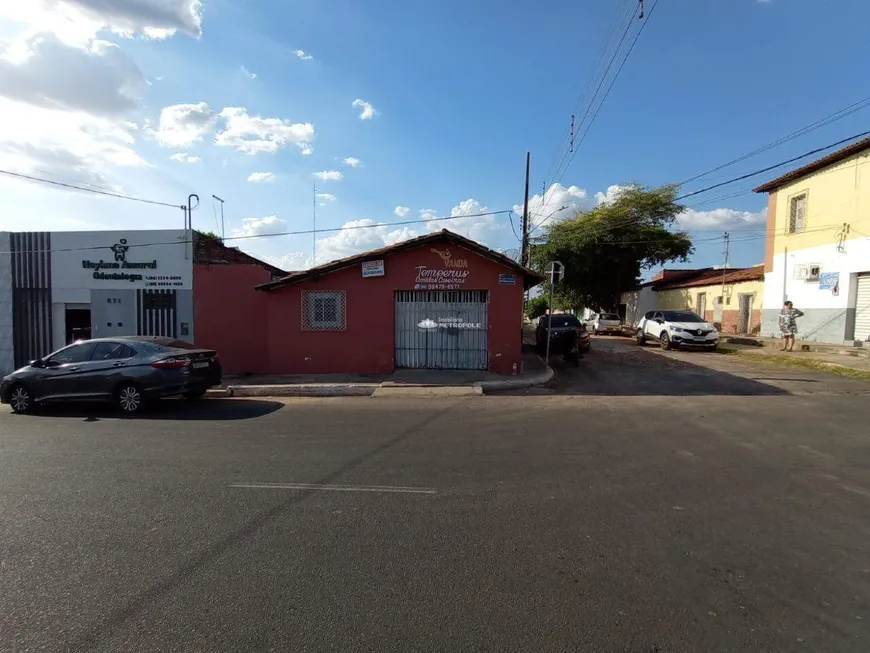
(822,122)
(772,167)
(90,190)
(273,235)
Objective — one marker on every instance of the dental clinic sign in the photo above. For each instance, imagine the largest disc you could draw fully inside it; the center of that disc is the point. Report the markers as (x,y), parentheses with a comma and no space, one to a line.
(120,263)
(154,259)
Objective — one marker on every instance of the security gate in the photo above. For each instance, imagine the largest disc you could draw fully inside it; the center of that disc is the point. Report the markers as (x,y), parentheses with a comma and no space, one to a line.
(441,329)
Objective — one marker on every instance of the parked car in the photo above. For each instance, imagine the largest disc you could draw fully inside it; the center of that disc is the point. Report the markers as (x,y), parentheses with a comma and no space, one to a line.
(677,329)
(605,323)
(560,323)
(127,371)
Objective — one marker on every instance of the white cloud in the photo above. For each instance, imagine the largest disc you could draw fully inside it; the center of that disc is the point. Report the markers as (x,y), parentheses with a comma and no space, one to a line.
(247,73)
(402,211)
(359,236)
(721,219)
(327,175)
(45,72)
(303,55)
(184,124)
(556,203)
(326,197)
(428,214)
(610,195)
(257,177)
(305,149)
(184,157)
(368,111)
(78,21)
(251,227)
(351,161)
(479,227)
(255,134)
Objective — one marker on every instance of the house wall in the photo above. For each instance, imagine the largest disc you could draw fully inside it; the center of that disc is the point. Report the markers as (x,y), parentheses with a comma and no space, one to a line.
(838,194)
(828,316)
(686,298)
(637,303)
(231,316)
(366,346)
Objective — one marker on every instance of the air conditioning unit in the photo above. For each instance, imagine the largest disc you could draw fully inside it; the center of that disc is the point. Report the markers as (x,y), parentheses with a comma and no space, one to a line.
(801,272)
(813,272)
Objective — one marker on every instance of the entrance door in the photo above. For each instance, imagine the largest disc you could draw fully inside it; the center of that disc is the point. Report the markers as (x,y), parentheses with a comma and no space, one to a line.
(862,308)
(701,305)
(743,318)
(78,324)
(442,329)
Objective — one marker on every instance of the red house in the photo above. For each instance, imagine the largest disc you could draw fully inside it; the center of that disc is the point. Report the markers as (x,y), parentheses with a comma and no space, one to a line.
(439,301)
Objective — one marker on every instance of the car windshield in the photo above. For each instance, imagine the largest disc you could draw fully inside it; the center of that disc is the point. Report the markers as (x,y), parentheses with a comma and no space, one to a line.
(562,321)
(609,316)
(681,316)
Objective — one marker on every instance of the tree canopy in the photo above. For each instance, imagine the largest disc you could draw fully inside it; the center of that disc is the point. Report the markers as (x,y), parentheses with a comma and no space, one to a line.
(605,249)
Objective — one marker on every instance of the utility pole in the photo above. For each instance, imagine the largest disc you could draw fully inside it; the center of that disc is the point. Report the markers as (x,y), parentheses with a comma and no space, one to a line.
(223,230)
(314,224)
(722,295)
(524,252)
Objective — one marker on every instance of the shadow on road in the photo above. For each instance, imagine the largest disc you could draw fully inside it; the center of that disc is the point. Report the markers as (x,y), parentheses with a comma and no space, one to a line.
(618,367)
(169,409)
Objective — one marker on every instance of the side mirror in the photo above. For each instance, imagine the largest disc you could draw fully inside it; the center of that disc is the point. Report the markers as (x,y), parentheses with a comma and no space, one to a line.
(36,363)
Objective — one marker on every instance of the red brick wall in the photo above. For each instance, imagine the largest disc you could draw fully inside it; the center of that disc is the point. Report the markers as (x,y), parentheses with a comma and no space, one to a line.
(367,345)
(730,320)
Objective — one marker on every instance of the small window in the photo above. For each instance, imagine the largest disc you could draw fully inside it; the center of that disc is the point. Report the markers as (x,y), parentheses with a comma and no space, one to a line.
(797,214)
(323,310)
(105,351)
(73,354)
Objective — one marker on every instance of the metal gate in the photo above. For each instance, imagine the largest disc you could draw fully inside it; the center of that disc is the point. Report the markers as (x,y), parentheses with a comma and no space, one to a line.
(441,329)
(862,308)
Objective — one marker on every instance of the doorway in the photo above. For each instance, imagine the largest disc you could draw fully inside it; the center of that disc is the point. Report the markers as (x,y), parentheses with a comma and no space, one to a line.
(701,305)
(744,315)
(77,324)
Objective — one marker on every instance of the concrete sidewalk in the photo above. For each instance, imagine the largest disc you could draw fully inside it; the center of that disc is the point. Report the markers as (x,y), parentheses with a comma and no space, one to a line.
(404,382)
(833,359)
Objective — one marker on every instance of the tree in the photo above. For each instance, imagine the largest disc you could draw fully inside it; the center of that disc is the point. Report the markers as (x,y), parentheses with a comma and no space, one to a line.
(604,250)
(536,307)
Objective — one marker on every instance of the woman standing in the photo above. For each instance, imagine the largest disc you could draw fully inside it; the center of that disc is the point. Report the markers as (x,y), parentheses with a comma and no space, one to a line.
(788,325)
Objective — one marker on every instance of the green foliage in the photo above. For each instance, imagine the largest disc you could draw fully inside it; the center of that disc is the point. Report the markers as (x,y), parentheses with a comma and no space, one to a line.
(536,307)
(604,250)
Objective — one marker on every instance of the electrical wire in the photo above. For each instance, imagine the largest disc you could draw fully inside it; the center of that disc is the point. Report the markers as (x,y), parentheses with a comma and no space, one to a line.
(285,233)
(90,190)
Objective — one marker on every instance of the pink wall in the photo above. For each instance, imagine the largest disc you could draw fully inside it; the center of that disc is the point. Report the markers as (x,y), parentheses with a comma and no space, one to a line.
(367,346)
(230,316)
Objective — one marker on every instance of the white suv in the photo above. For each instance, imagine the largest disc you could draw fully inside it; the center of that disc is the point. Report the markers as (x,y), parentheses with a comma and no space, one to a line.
(676,329)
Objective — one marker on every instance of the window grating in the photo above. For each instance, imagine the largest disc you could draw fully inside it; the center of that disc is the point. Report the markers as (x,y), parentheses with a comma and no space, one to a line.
(323,310)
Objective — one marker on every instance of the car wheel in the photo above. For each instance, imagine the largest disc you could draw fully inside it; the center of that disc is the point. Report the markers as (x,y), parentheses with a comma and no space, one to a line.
(195,394)
(665,340)
(129,398)
(20,399)
(641,339)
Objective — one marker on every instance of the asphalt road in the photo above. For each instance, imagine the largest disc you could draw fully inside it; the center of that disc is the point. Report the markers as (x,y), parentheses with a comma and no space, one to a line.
(577,520)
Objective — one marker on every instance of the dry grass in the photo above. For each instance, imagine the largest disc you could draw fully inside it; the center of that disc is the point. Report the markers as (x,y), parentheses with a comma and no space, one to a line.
(795,360)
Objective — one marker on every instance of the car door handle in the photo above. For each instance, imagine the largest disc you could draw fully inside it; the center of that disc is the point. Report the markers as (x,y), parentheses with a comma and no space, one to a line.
(73,368)
(118,364)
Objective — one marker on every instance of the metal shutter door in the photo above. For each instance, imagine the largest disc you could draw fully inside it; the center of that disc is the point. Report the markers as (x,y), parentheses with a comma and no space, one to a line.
(862,308)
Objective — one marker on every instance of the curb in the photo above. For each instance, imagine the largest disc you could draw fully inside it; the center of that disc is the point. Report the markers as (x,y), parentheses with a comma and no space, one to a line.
(303,390)
(515,384)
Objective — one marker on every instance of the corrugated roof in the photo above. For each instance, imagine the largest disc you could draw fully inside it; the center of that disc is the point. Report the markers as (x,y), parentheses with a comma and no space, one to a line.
(712,276)
(438,236)
(818,164)
(208,249)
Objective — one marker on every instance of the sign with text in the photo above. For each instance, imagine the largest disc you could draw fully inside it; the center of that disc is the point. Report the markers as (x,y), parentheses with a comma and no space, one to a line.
(372,269)
(451,274)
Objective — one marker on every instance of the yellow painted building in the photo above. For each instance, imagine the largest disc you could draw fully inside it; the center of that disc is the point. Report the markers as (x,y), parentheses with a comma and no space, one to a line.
(818,246)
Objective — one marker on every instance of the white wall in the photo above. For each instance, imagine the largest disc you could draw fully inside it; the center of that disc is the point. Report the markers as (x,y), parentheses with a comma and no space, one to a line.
(637,302)
(829,317)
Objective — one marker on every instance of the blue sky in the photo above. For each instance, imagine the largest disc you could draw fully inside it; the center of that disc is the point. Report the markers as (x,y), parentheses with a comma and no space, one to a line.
(457,92)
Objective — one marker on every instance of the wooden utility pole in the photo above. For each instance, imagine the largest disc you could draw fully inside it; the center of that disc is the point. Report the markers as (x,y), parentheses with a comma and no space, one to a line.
(524,252)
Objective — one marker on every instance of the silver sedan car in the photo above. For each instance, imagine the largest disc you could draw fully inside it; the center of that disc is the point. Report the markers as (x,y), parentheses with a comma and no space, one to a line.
(127,371)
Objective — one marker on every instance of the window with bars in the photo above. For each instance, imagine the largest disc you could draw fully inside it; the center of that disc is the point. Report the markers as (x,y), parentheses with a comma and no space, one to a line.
(797,214)
(323,310)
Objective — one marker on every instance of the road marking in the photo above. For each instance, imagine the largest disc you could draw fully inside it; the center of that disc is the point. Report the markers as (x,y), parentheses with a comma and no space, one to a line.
(337,488)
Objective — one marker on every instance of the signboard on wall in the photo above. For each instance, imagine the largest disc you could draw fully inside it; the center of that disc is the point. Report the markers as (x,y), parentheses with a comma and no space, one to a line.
(121,260)
(829,280)
(448,273)
(372,269)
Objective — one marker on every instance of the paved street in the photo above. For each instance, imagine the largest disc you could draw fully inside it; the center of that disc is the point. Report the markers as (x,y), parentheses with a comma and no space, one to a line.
(646,502)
